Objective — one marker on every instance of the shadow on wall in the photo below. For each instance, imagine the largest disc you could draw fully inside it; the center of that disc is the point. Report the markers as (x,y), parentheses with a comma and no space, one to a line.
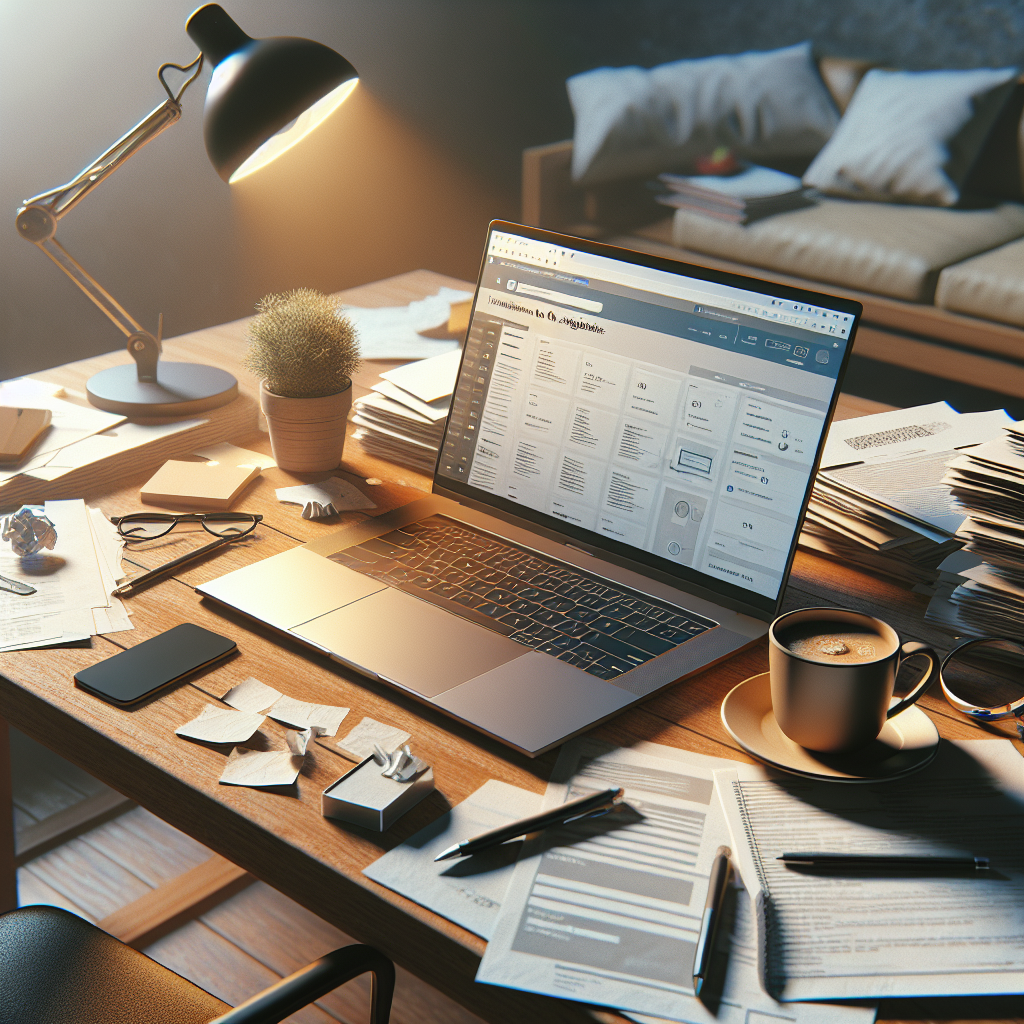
(366,196)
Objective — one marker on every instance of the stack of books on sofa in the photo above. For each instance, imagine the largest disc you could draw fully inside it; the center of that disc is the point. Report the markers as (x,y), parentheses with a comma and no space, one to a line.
(988,484)
(880,500)
(749,195)
(402,418)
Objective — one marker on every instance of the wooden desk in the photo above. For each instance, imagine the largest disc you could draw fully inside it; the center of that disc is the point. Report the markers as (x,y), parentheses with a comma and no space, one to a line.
(284,840)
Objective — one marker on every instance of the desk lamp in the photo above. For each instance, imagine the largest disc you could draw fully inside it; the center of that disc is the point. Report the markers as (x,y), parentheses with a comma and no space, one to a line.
(264,96)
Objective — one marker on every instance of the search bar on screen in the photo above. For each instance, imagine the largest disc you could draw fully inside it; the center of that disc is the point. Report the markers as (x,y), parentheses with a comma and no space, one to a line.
(534,292)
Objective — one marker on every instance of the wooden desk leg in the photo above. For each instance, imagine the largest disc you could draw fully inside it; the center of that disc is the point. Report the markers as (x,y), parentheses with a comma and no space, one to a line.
(8,870)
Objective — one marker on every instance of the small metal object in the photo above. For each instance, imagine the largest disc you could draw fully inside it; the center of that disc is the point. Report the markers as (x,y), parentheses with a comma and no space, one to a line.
(16,587)
(29,531)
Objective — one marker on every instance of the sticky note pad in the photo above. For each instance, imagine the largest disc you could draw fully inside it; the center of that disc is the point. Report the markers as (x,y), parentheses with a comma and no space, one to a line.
(206,485)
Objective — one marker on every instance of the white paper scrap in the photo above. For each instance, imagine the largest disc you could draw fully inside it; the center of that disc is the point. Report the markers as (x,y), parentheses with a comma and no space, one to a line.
(251,695)
(358,744)
(298,741)
(468,891)
(257,768)
(332,496)
(231,455)
(221,725)
(324,718)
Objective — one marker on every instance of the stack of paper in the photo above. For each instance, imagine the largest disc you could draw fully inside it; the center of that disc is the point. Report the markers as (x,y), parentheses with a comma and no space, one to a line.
(72,582)
(987,482)
(754,193)
(879,500)
(402,419)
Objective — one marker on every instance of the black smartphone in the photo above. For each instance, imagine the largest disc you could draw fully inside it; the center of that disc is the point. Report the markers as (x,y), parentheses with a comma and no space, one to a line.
(133,675)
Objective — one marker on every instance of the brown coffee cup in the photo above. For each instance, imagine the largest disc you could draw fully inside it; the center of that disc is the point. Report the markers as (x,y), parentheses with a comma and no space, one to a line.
(825,703)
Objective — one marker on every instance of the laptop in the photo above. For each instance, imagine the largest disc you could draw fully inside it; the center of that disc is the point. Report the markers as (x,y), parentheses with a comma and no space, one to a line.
(615,506)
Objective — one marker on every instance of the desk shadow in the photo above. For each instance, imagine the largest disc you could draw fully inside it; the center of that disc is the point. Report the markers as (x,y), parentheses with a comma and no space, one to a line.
(917,806)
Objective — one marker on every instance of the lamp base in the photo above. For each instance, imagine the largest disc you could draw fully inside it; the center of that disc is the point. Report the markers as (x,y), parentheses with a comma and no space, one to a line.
(183,390)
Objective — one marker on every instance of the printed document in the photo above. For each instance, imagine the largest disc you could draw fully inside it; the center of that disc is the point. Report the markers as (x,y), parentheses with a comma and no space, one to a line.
(828,936)
(607,910)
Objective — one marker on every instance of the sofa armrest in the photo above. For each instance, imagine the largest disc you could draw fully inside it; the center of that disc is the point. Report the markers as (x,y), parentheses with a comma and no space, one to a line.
(550,199)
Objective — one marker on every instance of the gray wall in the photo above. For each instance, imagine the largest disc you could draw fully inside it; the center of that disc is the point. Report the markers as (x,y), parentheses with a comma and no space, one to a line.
(405,175)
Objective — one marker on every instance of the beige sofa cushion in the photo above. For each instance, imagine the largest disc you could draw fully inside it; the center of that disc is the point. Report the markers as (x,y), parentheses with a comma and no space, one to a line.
(990,285)
(882,248)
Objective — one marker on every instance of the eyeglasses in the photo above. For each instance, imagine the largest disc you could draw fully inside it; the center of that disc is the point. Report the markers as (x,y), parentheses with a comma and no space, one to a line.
(984,679)
(149,525)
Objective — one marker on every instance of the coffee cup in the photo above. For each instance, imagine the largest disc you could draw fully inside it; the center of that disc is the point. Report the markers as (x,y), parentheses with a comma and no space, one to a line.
(832,676)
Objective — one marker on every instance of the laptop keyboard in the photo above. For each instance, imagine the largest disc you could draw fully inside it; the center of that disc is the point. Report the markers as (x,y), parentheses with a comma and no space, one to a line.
(603,628)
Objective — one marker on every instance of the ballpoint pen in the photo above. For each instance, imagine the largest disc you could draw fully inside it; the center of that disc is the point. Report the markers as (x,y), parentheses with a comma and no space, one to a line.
(583,807)
(712,912)
(161,570)
(877,861)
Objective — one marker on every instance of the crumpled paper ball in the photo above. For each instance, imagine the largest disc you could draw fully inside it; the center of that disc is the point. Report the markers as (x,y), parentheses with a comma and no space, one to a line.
(29,531)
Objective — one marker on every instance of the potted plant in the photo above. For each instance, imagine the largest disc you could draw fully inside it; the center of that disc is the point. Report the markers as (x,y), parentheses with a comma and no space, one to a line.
(304,352)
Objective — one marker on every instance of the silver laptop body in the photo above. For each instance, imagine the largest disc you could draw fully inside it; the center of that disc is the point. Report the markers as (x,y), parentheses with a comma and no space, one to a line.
(626,463)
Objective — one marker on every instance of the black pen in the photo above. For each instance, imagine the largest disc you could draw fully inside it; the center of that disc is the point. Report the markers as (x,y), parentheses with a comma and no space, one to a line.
(162,570)
(869,861)
(712,912)
(561,815)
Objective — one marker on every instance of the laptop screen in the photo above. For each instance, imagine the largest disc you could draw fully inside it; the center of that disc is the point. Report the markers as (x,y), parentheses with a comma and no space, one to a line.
(667,413)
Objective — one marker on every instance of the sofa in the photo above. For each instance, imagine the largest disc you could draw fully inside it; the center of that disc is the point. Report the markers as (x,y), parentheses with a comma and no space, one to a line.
(942,288)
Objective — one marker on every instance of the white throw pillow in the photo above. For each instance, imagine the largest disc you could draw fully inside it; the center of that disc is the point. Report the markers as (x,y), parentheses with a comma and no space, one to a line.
(892,143)
(762,106)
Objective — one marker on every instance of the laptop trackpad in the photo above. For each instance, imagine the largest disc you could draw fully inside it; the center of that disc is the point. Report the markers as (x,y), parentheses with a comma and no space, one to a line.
(410,642)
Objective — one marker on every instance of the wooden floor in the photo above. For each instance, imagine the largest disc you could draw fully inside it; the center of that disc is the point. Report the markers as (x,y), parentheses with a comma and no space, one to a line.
(234,950)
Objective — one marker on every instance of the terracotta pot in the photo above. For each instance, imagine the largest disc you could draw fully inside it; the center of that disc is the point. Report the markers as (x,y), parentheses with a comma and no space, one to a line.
(307,434)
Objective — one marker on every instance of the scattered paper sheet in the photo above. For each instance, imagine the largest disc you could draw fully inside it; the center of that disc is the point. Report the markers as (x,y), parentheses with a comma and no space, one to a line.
(258,768)
(358,744)
(392,332)
(29,630)
(298,741)
(326,720)
(326,498)
(70,423)
(608,910)
(887,936)
(221,725)
(467,891)
(429,379)
(251,695)
(232,455)
(119,439)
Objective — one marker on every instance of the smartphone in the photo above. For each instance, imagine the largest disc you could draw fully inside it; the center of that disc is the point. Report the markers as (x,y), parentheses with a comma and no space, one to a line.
(142,670)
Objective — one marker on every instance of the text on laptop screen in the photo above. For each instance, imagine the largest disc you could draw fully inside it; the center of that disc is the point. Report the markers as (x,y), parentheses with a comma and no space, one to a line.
(677,416)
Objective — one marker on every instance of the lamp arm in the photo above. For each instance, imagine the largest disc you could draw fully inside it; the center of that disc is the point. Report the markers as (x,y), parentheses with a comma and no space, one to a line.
(37,219)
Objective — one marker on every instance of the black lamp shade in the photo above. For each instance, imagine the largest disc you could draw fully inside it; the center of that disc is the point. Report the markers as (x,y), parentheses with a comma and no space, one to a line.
(258,85)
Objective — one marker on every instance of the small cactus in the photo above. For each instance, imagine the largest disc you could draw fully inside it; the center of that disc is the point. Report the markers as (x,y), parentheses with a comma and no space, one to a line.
(301,345)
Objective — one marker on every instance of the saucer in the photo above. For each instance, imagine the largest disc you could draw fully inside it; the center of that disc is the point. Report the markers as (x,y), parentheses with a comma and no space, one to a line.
(906,743)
